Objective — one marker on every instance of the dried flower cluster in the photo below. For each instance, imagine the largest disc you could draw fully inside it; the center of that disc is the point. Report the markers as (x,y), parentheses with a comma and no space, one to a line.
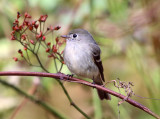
(38,38)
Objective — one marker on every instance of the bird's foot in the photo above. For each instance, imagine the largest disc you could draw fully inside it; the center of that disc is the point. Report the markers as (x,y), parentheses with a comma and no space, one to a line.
(69,76)
(93,83)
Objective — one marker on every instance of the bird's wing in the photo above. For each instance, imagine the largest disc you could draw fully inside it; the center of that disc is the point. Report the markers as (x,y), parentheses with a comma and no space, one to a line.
(96,57)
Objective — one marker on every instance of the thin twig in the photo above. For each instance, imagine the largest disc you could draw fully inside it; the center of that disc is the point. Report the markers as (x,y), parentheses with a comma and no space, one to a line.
(28,57)
(38,46)
(60,67)
(41,63)
(55,64)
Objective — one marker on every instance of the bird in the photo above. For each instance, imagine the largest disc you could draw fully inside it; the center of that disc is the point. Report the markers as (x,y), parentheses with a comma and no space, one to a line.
(82,57)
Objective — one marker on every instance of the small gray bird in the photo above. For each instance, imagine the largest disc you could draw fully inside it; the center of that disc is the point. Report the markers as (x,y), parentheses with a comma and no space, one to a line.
(82,57)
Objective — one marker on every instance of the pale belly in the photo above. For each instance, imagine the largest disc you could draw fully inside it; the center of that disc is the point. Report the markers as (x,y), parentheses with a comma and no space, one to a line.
(80,62)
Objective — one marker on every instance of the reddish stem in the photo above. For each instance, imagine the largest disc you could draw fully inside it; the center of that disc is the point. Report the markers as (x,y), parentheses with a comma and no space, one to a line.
(65,77)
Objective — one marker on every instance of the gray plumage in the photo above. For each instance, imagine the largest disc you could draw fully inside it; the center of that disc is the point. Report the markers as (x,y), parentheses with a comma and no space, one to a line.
(82,57)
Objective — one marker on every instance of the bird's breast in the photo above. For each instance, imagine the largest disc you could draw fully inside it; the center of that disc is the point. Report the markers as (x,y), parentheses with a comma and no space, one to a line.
(78,59)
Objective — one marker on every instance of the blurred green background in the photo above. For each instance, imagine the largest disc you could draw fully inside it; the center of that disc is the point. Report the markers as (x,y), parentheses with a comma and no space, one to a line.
(128,33)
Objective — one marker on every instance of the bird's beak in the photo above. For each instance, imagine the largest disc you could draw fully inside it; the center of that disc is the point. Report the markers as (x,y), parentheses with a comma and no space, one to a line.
(65,36)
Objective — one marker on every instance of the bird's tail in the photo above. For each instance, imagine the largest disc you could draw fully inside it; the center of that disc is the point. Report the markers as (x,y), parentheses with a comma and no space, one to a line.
(102,94)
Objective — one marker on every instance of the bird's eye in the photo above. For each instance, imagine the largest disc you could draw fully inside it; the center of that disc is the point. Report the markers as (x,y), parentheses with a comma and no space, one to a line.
(74,35)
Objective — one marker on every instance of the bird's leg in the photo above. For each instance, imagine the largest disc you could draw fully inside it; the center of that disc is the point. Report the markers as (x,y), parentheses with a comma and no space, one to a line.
(93,82)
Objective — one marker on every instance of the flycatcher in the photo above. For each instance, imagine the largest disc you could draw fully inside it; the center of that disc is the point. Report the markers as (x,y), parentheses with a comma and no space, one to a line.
(82,57)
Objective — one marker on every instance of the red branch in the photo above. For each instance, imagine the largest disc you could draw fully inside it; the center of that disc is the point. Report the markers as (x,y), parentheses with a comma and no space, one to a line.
(64,77)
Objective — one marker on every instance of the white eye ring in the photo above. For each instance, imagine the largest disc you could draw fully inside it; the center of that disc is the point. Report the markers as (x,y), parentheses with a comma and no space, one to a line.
(74,35)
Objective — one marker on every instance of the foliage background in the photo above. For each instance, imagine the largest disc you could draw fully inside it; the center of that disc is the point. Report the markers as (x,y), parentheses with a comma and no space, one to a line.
(128,34)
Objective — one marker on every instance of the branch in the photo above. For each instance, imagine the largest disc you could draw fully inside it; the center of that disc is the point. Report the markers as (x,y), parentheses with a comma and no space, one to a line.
(66,78)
